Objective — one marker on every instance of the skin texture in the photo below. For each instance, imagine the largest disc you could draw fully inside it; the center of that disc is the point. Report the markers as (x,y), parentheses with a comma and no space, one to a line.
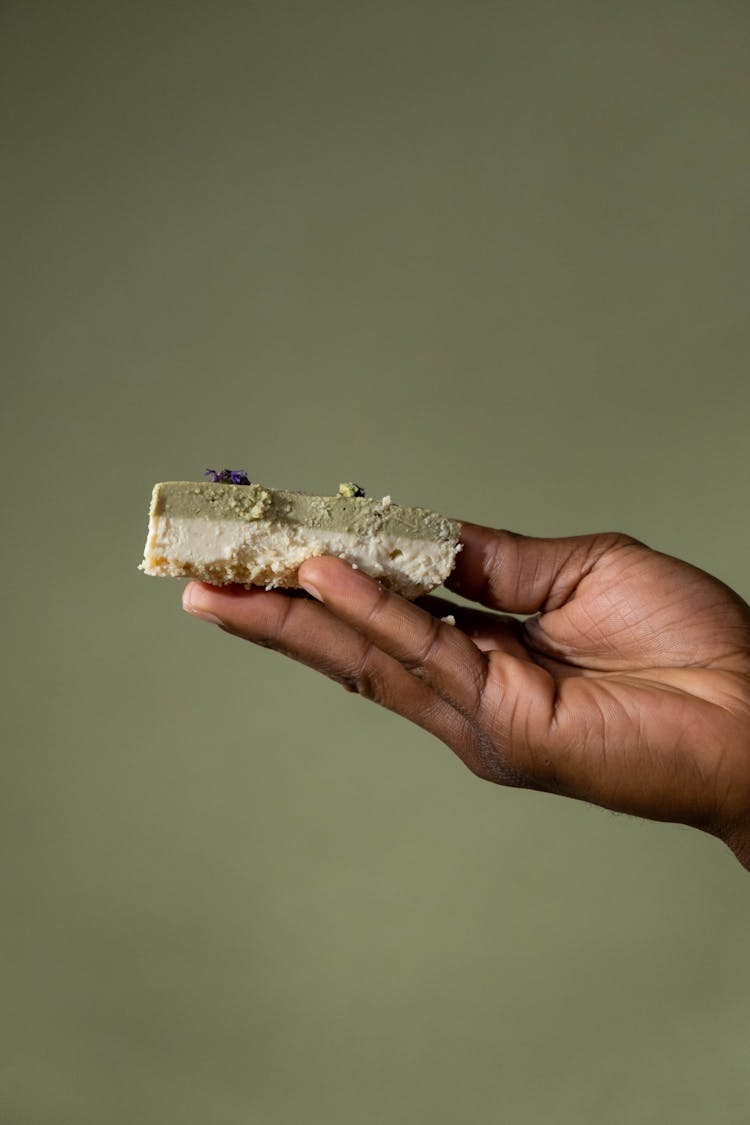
(628,684)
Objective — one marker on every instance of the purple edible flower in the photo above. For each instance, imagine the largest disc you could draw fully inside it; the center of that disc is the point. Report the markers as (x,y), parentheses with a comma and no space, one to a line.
(227,476)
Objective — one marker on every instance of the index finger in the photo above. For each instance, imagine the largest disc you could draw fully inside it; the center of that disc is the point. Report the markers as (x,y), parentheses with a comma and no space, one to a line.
(441,655)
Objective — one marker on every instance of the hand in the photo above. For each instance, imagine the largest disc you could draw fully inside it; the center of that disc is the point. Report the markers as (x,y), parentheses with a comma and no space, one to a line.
(629,688)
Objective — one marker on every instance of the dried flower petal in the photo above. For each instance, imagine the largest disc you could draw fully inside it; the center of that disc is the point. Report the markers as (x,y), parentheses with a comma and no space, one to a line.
(227,476)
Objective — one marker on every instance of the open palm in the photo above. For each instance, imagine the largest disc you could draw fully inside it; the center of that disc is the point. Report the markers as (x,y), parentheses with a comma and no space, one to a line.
(628,686)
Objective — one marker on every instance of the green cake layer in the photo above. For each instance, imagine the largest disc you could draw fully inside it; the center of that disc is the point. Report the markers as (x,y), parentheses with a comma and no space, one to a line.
(353,515)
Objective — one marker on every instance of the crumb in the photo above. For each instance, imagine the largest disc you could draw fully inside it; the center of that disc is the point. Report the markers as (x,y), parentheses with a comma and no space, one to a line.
(449,619)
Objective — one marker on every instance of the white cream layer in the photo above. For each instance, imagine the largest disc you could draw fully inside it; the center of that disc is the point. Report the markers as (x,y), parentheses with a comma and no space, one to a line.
(267,553)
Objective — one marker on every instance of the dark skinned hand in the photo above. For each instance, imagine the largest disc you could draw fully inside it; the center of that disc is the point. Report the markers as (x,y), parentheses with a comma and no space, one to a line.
(628,687)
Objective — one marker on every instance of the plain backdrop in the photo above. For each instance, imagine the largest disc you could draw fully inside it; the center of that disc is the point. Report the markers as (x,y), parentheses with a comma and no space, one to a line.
(491,258)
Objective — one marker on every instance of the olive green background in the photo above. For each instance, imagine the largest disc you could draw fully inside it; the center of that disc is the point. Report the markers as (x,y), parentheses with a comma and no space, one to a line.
(489,258)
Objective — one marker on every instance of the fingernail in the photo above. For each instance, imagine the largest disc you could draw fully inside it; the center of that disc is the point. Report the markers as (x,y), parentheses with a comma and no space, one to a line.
(189,605)
(312,590)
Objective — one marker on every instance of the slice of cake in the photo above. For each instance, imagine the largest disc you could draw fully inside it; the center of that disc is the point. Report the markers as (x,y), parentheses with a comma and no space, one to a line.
(223,532)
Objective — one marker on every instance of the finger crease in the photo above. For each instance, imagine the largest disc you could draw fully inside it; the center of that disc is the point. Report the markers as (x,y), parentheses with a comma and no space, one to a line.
(377,607)
(429,651)
(363,680)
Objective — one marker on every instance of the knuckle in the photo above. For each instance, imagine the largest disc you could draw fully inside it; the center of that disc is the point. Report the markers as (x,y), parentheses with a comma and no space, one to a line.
(509,747)
(365,678)
(428,649)
(609,541)
(492,762)
(495,561)
(348,683)
(478,673)
(379,602)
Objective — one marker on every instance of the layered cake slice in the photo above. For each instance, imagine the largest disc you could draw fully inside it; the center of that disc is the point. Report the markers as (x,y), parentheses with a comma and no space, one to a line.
(222,532)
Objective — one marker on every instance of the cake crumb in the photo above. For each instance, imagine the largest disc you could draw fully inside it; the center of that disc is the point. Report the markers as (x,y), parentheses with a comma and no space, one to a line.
(449,619)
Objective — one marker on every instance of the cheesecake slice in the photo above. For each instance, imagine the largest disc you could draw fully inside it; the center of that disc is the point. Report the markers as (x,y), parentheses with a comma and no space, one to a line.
(256,536)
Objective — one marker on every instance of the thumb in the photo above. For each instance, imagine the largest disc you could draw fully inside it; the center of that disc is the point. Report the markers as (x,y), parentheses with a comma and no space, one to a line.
(522,574)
